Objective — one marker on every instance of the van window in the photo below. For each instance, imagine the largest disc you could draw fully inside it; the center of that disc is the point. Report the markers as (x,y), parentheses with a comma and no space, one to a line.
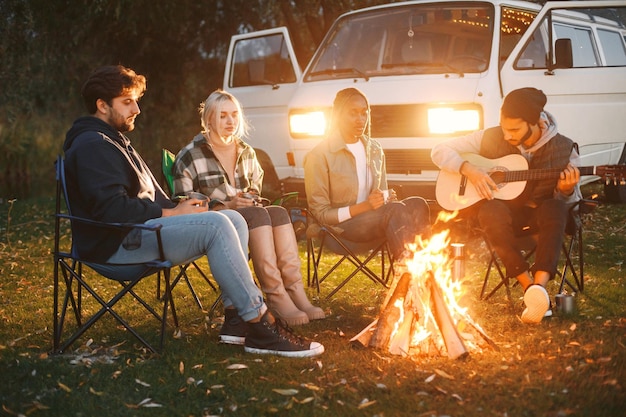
(261,61)
(514,23)
(600,48)
(416,39)
(613,47)
(582,44)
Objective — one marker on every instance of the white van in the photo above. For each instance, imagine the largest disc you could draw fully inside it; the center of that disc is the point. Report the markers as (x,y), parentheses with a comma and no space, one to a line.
(434,70)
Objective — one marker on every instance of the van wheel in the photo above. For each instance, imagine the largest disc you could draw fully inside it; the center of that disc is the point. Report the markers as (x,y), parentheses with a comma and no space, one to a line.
(615,193)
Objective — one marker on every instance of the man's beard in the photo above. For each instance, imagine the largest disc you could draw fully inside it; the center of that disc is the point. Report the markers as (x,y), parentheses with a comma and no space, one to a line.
(528,133)
(119,122)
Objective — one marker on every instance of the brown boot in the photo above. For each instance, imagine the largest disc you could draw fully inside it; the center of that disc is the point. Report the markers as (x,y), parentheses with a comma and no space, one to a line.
(263,254)
(288,261)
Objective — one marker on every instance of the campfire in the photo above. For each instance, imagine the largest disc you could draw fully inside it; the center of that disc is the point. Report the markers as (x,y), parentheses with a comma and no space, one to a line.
(421,314)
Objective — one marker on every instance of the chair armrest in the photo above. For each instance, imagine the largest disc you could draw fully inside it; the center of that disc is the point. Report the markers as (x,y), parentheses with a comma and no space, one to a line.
(285,197)
(124,226)
(584,206)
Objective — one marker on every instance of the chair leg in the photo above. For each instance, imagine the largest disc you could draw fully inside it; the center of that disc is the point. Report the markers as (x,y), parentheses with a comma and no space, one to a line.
(577,276)
(72,276)
(182,274)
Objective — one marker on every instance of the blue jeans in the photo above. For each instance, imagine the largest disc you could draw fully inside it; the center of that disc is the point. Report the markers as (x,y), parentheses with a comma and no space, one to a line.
(398,221)
(220,235)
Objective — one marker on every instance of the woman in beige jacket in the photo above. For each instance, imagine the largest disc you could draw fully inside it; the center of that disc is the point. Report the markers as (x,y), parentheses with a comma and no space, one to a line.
(346,182)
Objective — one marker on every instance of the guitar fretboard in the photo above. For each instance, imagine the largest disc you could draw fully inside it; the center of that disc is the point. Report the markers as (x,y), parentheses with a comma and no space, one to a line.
(542,174)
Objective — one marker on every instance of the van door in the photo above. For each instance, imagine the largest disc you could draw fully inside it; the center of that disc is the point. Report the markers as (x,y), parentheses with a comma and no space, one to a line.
(263,73)
(586,95)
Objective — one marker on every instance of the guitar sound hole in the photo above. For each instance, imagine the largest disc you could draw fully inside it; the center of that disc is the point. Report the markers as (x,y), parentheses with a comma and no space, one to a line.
(498,177)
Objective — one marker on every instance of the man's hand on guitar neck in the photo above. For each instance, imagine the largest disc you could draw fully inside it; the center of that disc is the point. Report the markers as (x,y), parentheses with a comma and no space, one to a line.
(568,180)
(480,179)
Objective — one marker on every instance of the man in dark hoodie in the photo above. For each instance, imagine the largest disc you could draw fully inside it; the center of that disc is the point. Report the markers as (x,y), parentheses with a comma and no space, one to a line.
(528,130)
(108,181)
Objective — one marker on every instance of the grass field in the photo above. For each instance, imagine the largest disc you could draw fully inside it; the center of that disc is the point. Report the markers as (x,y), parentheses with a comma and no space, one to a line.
(566,366)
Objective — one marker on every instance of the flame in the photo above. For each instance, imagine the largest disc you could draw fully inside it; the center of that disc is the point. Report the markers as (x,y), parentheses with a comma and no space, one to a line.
(432,256)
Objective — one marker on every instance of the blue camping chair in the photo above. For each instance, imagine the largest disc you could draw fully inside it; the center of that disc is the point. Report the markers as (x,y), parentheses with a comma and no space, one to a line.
(75,282)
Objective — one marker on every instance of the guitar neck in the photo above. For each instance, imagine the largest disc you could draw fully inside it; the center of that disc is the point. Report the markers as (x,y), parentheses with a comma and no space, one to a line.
(542,174)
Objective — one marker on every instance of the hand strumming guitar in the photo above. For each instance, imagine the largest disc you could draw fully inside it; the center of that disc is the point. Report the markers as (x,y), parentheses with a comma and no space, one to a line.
(480,179)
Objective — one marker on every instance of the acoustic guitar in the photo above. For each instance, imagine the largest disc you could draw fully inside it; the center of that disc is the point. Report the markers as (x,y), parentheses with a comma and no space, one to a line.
(454,192)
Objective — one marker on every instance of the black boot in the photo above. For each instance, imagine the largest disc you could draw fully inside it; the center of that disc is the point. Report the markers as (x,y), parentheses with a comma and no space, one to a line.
(270,336)
(234,329)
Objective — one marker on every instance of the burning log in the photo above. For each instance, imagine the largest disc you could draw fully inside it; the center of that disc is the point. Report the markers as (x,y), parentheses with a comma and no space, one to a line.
(390,315)
(418,314)
(451,337)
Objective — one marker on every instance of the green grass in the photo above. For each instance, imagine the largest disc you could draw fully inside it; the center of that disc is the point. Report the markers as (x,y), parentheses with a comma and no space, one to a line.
(565,366)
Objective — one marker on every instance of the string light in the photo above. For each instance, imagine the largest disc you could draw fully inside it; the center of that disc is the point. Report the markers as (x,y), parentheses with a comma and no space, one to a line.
(516,21)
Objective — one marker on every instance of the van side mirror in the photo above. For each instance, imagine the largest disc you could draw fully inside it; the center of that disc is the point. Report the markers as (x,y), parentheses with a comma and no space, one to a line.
(563,53)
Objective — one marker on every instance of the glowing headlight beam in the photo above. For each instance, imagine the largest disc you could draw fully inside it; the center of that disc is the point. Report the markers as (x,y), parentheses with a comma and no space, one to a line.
(445,120)
(307,124)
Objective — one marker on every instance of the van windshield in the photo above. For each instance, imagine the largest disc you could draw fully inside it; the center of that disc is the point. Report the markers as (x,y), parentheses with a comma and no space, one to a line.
(440,38)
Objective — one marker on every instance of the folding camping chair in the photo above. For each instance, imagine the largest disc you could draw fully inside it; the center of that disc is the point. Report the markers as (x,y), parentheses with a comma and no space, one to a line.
(76,285)
(322,239)
(572,271)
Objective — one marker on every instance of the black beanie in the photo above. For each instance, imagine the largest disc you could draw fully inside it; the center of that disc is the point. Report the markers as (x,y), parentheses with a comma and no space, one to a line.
(524,103)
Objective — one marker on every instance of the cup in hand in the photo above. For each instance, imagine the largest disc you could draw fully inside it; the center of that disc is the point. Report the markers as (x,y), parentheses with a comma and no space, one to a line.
(385,196)
(199,196)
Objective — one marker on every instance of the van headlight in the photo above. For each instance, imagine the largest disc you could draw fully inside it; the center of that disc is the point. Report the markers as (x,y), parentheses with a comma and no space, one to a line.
(307,124)
(447,120)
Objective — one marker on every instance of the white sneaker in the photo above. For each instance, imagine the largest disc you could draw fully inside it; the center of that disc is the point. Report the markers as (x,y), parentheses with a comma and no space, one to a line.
(537,303)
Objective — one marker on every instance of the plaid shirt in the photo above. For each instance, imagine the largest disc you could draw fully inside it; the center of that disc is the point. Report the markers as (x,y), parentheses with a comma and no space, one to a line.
(196,168)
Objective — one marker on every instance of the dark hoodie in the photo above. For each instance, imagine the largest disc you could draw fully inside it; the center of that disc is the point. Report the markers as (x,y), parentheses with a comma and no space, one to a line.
(107,181)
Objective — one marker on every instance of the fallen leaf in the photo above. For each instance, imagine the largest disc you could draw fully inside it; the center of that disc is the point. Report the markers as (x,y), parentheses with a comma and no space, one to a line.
(311,387)
(94,392)
(366,403)
(430,378)
(289,391)
(443,374)
(181,367)
(572,327)
(236,366)
(304,401)
(64,387)
(140,382)
(148,403)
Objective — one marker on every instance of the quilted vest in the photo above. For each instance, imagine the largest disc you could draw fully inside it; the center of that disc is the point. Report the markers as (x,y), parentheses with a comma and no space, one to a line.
(554,154)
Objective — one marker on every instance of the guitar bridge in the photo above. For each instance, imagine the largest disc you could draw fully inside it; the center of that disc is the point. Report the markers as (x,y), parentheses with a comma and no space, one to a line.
(463,185)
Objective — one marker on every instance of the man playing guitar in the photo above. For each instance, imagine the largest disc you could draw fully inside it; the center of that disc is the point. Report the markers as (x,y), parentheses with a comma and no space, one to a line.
(525,129)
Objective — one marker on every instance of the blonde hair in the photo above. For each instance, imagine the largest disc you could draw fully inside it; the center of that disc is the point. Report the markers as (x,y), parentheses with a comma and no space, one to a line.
(211,108)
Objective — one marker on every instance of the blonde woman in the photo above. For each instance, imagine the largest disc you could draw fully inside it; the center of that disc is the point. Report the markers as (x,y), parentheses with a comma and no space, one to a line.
(221,165)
